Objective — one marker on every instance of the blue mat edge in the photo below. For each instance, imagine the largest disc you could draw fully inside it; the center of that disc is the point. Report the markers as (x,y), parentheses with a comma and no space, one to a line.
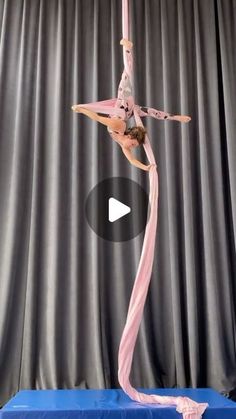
(222,411)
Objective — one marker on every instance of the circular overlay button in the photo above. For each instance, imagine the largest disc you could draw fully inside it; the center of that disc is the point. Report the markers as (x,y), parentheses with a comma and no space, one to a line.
(117,209)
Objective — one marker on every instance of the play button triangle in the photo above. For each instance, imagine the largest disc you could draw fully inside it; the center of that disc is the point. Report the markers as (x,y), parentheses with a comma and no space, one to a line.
(117,210)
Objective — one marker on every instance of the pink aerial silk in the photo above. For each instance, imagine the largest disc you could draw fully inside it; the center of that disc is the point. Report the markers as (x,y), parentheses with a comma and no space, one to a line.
(189,408)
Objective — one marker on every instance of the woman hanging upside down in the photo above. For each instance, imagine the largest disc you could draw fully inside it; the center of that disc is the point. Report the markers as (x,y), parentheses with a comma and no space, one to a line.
(121,109)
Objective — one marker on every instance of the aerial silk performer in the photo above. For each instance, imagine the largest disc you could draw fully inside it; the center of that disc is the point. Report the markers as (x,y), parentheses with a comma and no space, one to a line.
(122,109)
(119,111)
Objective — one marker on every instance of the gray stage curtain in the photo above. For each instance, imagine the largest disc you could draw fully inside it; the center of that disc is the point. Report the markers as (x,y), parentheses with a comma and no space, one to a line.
(64,292)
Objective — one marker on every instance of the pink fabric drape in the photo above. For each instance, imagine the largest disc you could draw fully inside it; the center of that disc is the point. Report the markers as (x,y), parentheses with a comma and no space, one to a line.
(186,406)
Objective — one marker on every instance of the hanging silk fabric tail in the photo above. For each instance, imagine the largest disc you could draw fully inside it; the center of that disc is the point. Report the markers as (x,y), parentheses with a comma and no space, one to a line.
(189,408)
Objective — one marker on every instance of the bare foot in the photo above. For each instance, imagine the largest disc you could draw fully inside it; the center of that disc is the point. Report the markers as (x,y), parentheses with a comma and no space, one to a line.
(126,43)
(183,118)
(76,108)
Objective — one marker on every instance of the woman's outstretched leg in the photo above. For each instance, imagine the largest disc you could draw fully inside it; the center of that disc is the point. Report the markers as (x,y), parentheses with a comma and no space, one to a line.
(155,113)
(125,98)
(127,56)
(106,107)
(113,124)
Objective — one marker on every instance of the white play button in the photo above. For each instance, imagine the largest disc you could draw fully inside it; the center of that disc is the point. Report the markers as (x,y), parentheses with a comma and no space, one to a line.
(117,209)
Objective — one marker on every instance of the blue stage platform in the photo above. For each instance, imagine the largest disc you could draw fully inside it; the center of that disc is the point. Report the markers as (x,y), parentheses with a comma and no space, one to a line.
(108,404)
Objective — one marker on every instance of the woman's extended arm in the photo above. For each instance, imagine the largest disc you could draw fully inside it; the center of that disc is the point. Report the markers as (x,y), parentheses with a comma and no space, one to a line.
(113,123)
(134,161)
